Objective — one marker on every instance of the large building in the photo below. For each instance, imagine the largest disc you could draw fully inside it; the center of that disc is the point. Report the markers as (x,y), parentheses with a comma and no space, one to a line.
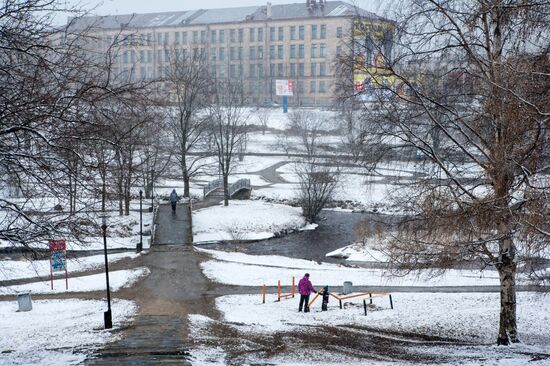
(256,44)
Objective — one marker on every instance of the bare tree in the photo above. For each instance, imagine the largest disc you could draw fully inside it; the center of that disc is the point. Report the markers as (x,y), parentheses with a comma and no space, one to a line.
(228,122)
(191,82)
(264,115)
(317,177)
(468,90)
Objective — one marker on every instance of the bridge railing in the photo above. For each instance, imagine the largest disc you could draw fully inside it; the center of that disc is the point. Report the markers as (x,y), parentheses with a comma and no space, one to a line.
(233,188)
(212,186)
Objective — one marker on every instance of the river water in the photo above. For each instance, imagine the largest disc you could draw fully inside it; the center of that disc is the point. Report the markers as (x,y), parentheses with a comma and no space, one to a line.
(336,230)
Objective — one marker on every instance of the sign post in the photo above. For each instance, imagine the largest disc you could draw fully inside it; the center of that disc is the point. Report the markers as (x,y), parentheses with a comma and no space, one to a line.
(284,89)
(58,260)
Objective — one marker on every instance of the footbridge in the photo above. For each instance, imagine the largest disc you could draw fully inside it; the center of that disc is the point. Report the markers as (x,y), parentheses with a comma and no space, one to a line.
(236,189)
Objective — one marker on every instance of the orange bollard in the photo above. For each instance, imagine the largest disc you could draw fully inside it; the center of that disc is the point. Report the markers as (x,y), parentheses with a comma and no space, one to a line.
(263,294)
(292,290)
(279,290)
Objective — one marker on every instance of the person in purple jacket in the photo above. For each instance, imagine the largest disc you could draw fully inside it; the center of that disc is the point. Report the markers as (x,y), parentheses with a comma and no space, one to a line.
(305,288)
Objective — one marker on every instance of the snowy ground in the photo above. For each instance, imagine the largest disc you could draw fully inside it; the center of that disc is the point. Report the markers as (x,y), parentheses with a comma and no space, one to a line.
(117,280)
(450,328)
(250,270)
(56,332)
(15,270)
(245,220)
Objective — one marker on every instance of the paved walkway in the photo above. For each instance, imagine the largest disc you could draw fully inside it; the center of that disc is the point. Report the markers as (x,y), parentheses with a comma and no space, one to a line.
(175,288)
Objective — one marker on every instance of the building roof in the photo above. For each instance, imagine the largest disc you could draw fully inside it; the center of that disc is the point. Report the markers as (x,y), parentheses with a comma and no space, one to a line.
(216,16)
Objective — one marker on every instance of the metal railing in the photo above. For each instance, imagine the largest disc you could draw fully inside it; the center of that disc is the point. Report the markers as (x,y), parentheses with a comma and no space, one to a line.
(233,188)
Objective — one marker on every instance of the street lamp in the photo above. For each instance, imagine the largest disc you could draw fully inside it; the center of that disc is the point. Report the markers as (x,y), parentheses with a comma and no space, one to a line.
(107,317)
(139,247)
(152,190)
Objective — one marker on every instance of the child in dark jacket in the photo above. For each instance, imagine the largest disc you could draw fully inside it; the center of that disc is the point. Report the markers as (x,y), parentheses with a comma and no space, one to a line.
(326,294)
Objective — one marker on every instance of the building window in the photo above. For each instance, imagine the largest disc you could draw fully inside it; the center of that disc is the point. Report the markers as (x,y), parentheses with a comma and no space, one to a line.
(322,50)
(313,86)
(272,70)
(159,56)
(281,34)
(272,34)
(338,50)
(125,57)
(241,35)
(322,86)
(240,53)
(233,35)
(292,69)
(271,52)
(159,39)
(252,34)
(203,37)
(222,36)
(240,70)
(195,36)
(213,53)
(300,87)
(339,32)
(293,51)
(177,38)
(301,51)
(142,56)
(252,71)
(149,56)
(301,68)
(323,31)
(280,70)
(292,33)
(260,34)
(280,52)
(260,70)
(185,54)
(213,36)
(252,53)
(166,37)
(232,53)
(302,32)
(222,53)
(313,51)
(213,70)
(166,55)
(322,69)
(149,39)
(184,41)
(232,70)
(222,70)
(313,32)
(260,52)
(313,69)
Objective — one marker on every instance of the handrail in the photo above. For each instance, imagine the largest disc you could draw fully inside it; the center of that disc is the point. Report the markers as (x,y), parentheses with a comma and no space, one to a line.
(233,188)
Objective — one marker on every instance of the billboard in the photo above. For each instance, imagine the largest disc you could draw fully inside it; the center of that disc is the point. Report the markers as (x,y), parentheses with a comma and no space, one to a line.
(283,87)
(373,43)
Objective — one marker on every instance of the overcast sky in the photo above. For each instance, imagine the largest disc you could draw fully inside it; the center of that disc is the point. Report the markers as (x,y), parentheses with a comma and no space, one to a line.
(109,7)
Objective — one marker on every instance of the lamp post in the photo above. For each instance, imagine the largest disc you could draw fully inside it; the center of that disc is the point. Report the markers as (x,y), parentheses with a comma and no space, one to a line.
(139,247)
(106,315)
(152,190)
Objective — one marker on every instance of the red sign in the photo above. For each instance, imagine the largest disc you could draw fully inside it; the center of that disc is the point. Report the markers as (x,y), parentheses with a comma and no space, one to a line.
(58,259)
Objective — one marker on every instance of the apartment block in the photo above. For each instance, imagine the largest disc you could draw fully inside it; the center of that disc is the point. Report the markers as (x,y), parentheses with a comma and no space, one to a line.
(255,44)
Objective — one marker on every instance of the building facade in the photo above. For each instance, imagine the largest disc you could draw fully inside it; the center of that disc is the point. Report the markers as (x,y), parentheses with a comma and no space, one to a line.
(257,45)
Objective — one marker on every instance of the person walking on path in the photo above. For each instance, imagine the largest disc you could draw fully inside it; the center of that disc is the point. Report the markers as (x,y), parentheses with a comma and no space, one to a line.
(305,288)
(173,200)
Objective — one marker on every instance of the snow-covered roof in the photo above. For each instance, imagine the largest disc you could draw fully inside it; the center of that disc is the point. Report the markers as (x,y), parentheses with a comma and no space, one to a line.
(216,16)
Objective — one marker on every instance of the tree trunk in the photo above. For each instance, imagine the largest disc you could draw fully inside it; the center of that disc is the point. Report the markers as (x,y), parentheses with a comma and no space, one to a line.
(507,268)
(225,190)
(185,185)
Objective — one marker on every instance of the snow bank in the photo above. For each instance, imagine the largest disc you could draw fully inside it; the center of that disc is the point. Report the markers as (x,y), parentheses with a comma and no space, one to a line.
(250,270)
(245,220)
(56,332)
(117,280)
